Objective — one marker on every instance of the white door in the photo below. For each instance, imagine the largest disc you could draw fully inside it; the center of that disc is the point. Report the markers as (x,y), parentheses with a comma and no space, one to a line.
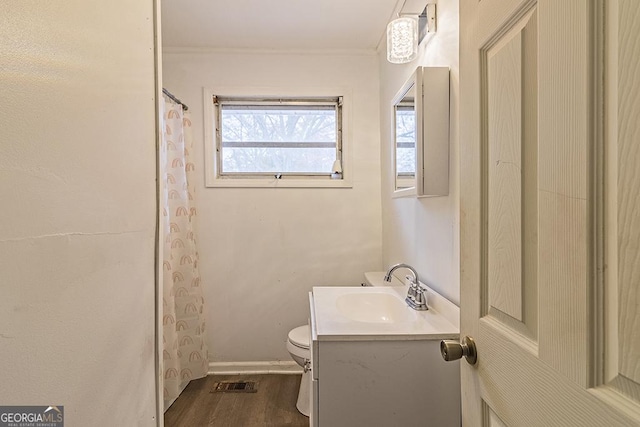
(550,211)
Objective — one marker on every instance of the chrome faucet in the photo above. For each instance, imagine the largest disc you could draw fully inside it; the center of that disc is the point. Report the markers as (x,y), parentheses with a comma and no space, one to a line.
(415,295)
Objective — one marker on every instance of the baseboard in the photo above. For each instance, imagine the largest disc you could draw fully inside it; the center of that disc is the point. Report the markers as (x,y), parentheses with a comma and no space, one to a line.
(239,368)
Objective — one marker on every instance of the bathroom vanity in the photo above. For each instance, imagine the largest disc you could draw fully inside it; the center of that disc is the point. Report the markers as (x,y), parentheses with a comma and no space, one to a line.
(376,362)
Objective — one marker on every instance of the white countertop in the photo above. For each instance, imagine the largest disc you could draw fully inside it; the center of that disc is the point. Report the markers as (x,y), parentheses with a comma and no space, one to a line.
(331,325)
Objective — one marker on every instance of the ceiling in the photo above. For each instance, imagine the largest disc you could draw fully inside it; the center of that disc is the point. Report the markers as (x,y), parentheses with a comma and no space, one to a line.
(276,24)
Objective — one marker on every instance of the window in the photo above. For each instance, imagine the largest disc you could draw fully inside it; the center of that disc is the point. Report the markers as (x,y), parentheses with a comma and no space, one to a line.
(277,139)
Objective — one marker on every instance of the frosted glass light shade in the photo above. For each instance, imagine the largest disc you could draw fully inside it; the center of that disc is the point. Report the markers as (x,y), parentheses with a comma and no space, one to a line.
(402,40)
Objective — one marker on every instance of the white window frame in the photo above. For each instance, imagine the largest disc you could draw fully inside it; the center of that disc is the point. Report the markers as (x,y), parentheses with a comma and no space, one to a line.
(214,179)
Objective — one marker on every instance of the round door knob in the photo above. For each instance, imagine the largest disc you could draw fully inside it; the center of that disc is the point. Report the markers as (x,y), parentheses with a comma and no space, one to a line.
(453,350)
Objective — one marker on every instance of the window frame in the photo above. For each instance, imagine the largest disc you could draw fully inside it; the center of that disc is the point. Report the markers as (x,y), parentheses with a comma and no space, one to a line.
(214,178)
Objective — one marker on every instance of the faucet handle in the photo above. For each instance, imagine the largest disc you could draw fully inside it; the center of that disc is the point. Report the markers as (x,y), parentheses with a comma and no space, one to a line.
(421,300)
(414,288)
(412,292)
(417,302)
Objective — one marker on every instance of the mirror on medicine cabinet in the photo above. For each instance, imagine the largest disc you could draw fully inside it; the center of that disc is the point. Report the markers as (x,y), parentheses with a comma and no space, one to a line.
(420,136)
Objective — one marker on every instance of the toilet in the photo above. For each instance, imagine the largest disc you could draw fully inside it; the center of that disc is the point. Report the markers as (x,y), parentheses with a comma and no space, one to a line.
(298,346)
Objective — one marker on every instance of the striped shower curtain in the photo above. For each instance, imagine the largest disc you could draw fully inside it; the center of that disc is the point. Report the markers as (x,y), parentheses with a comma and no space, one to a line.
(185,352)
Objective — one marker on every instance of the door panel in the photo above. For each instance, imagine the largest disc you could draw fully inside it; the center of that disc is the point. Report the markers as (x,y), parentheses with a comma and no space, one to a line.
(504,88)
(550,198)
(509,81)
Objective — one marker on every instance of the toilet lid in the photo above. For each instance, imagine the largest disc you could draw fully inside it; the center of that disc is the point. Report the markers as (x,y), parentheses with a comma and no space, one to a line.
(300,336)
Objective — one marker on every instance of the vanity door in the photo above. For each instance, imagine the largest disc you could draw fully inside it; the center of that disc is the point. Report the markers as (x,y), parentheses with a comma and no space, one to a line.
(550,230)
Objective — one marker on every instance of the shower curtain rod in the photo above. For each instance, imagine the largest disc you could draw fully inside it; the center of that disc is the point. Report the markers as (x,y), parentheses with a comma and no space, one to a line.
(166,92)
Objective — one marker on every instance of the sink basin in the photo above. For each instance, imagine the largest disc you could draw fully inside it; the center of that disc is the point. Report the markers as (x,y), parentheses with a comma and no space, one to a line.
(366,313)
(374,308)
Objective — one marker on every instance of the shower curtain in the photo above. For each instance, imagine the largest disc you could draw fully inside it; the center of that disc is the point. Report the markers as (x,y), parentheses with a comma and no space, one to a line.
(185,352)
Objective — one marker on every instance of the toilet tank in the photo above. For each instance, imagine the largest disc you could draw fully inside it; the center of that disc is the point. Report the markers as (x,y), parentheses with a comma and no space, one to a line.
(376,278)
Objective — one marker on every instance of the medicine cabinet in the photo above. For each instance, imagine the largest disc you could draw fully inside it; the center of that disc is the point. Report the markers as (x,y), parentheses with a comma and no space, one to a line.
(420,134)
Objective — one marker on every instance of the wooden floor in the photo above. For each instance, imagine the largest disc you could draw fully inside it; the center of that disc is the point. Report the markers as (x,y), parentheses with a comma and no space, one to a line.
(274,404)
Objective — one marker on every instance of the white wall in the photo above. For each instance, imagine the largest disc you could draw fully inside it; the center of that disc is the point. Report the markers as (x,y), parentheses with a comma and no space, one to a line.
(77,224)
(262,250)
(424,232)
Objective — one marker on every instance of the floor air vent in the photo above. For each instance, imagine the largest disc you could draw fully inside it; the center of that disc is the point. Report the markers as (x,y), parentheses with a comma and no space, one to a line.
(235,387)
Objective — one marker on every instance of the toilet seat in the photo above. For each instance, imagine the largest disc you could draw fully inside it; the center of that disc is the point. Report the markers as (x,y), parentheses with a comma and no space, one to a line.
(300,337)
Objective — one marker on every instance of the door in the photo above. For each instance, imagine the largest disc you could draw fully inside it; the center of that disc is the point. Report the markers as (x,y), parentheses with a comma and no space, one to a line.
(550,211)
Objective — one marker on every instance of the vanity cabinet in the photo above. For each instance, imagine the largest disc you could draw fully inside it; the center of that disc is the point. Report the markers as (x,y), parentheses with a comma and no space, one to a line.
(381,380)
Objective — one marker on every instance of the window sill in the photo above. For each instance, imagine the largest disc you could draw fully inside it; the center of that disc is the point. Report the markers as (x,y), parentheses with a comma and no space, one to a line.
(278,183)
